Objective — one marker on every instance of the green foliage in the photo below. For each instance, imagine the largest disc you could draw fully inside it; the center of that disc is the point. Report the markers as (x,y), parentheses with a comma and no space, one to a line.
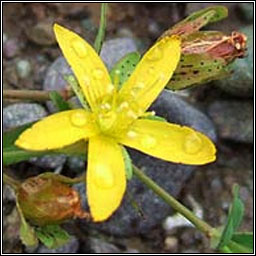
(244,238)
(155,118)
(211,14)
(124,68)
(59,102)
(52,236)
(71,80)
(27,233)
(128,164)
(227,239)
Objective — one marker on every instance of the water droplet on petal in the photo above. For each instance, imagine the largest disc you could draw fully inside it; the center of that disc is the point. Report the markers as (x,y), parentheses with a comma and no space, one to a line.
(131,114)
(80,48)
(98,73)
(105,106)
(79,118)
(148,141)
(124,105)
(86,80)
(193,143)
(155,54)
(131,134)
(110,88)
(103,176)
(151,70)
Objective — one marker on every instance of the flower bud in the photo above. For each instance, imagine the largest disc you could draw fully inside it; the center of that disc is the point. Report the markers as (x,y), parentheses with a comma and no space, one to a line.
(216,44)
(46,201)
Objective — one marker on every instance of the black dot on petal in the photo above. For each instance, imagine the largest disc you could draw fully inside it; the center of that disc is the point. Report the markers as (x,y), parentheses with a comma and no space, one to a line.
(122,66)
(134,65)
(195,72)
(209,70)
(202,63)
(181,60)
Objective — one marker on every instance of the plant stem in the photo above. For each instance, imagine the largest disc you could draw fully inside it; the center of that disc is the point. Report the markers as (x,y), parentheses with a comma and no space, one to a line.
(200,224)
(101,32)
(11,181)
(34,94)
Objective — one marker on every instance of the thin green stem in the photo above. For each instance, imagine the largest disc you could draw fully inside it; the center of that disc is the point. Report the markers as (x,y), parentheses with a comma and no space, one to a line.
(102,28)
(11,181)
(200,224)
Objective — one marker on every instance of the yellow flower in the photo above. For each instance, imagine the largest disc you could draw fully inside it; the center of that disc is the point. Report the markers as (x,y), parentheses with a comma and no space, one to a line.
(115,119)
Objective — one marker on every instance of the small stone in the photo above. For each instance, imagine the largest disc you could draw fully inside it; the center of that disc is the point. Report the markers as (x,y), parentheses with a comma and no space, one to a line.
(10,48)
(234,119)
(76,164)
(71,247)
(42,33)
(113,50)
(99,246)
(49,161)
(23,68)
(171,243)
(21,113)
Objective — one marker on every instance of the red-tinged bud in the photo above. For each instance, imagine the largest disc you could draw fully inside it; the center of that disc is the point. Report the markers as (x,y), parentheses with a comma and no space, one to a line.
(216,44)
(46,201)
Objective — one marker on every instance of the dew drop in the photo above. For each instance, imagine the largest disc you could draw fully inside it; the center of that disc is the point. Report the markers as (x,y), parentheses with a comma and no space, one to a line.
(148,141)
(98,73)
(131,134)
(110,88)
(123,105)
(193,143)
(131,114)
(155,54)
(80,48)
(86,80)
(78,118)
(103,176)
(151,70)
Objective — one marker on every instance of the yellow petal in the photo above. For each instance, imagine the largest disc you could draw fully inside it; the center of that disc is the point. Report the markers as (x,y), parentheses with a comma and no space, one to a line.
(90,71)
(106,181)
(57,130)
(170,142)
(152,73)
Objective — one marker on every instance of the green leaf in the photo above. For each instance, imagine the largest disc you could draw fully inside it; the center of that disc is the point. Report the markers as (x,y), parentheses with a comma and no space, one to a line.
(128,164)
(237,210)
(197,20)
(220,12)
(124,68)
(27,233)
(235,217)
(71,80)
(52,236)
(13,154)
(195,69)
(101,32)
(244,238)
(59,102)
(155,118)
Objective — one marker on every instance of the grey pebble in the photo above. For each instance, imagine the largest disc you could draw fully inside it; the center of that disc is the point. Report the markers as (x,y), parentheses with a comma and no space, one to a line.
(233,119)
(115,49)
(23,68)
